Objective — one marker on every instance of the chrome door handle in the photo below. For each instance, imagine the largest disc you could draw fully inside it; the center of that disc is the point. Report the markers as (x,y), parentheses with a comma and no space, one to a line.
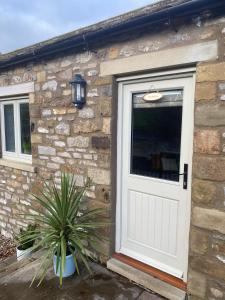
(185,178)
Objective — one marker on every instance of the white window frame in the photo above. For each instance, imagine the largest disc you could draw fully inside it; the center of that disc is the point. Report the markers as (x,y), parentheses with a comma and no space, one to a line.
(17,155)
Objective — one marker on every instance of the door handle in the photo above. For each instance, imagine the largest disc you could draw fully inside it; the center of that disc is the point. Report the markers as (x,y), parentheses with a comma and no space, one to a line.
(185,176)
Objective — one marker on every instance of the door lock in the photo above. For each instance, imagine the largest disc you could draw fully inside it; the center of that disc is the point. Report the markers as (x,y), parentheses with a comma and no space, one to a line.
(185,176)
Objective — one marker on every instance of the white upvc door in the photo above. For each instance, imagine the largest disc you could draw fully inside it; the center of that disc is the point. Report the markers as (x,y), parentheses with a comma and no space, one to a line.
(153,188)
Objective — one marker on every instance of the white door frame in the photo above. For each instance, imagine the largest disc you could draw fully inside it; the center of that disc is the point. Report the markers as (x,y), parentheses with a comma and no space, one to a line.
(182,73)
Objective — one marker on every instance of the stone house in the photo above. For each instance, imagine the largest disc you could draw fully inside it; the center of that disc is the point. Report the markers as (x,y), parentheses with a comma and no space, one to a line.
(151,136)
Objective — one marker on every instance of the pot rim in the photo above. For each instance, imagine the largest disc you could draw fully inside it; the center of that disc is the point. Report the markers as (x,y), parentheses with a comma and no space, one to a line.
(67,256)
(18,248)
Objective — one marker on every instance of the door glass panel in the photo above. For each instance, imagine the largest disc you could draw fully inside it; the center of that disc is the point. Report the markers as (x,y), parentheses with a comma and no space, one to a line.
(25,128)
(156,135)
(9,128)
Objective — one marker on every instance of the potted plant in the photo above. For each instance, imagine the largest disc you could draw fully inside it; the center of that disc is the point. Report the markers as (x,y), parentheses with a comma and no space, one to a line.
(64,231)
(24,242)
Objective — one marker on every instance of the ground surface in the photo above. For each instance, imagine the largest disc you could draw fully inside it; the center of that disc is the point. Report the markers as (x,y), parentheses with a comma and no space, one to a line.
(7,247)
(101,285)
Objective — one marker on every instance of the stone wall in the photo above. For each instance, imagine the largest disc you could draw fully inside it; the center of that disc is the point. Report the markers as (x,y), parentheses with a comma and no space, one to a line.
(64,138)
(79,141)
(207,238)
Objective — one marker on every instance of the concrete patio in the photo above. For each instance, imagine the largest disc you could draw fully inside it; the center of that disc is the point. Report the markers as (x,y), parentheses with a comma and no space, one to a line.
(101,285)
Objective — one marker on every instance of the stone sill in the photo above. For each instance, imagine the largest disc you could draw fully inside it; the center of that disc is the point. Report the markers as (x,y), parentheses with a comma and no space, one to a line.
(18,165)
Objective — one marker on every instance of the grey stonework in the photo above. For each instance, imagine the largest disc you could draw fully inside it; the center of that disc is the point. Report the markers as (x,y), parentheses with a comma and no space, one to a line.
(79,141)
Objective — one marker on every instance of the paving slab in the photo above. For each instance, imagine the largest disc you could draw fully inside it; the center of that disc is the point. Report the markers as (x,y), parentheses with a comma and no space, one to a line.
(101,285)
(149,296)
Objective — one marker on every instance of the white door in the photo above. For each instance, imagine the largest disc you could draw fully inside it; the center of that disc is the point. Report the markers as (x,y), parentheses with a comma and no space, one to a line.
(154,149)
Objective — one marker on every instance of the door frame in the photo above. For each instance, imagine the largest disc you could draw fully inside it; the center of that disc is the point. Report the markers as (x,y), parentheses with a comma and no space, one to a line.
(156,76)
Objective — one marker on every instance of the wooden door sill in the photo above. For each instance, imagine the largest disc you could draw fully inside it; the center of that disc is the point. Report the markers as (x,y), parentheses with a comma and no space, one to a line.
(170,279)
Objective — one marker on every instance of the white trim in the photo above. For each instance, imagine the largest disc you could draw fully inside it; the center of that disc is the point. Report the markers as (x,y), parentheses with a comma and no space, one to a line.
(189,191)
(17,155)
(138,79)
(176,73)
(16,89)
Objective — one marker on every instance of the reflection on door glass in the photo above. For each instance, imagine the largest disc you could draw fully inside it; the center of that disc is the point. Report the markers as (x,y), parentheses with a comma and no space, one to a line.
(25,128)
(156,135)
(9,128)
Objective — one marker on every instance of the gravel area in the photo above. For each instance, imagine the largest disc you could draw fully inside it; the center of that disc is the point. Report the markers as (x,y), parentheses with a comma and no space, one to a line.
(7,247)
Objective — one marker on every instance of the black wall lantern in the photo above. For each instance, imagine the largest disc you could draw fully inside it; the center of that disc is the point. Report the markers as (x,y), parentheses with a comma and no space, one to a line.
(78,91)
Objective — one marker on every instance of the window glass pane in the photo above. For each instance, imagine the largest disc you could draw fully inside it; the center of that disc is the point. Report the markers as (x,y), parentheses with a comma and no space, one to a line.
(156,136)
(25,128)
(9,128)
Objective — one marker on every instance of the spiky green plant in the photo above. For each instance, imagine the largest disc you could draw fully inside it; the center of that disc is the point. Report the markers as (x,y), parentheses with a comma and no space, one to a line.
(20,239)
(62,226)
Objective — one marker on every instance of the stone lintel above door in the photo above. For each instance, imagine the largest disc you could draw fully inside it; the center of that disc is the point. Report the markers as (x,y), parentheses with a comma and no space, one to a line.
(179,56)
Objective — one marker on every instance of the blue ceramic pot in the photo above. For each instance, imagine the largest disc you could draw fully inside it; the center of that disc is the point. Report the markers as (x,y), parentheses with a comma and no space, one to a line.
(70,267)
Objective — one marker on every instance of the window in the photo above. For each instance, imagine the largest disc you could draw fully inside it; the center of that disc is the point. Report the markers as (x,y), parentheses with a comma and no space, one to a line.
(156,135)
(15,129)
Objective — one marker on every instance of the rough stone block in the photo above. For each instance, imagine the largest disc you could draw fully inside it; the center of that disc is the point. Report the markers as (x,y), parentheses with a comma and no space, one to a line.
(218,294)
(41,76)
(42,130)
(91,73)
(59,111)
(64,154)
(92,93)
(36,139)
(222,86)
(103,80)
(218,244)
(60,144)
(104,108)
(211,72)
(99,176)
(62,129)
(207,141)
(211,219)
(209,266)
(50,85)
(100,142)
(71,110)
(204,192)
(67,92)
(210,115)
(44,150)
(103,194)
(77,155)
(31,98)
(35,111)
(205,91)
(78,141)
(87,126)
(58,160)
(211,168)
(105,90)
(83,57)
(86,113)
(113,53)
(197,284)
(66,63)
(65,75)
(46,112)
(106,127)
(199,241)
(53,166)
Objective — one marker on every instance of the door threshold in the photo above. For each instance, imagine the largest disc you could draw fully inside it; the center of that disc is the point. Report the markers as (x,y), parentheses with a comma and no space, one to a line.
(170,279)
(145,279)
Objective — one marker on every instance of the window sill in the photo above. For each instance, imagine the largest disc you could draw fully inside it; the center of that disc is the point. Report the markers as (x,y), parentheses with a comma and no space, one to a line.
(18,165)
